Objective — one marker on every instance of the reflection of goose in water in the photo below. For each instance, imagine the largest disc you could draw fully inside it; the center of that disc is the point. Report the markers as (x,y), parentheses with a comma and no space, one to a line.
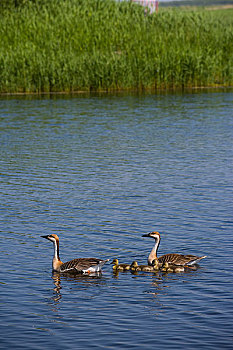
(81,265)
(57,286)
(74,280)
(176,259)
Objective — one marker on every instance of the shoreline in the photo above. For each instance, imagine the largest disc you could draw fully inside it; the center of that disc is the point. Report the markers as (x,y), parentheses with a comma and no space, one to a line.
(119,91)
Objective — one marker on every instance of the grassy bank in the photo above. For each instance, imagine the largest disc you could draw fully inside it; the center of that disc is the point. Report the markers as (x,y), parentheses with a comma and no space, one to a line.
(71,45)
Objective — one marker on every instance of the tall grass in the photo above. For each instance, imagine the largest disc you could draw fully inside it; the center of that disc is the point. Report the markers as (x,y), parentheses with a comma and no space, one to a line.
(71,45)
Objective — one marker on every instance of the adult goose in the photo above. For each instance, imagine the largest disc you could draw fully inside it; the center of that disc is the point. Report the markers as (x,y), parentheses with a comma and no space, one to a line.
(80,265)
(175,259)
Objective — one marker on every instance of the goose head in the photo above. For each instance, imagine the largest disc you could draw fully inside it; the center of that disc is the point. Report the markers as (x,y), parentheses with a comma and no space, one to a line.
(115,262)
(134,265)
(153,234)
(53,238)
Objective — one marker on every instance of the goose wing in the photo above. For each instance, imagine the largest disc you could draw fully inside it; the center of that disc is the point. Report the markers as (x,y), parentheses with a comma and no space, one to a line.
(179,259)
(82,265)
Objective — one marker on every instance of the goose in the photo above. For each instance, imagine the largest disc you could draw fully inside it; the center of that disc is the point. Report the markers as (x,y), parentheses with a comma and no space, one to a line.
(80,265)
(173,268)
(176,259)
(165,267)
(155,265)
(119,267)
(134,266)
(146,268)
(178,269)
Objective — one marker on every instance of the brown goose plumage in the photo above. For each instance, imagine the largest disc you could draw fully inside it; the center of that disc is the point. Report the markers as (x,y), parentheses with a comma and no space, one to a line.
(175,259)
(81,265)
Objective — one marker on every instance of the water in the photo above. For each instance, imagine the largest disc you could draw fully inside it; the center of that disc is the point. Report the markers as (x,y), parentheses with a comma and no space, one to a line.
(100,171)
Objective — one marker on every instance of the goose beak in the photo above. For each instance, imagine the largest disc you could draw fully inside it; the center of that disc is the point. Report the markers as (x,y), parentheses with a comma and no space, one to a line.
(146,235)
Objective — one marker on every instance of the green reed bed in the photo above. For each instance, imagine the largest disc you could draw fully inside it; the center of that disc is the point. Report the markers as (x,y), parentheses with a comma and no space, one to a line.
(73,45)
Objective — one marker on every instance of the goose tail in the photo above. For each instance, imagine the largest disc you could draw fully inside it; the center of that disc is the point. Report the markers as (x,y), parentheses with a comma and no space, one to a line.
(96,268)
(195,261)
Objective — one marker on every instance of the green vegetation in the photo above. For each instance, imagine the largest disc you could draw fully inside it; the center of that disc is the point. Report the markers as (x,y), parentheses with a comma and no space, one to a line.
(73,45)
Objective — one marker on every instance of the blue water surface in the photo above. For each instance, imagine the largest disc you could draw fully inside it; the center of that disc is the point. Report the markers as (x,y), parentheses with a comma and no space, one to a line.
(100,171)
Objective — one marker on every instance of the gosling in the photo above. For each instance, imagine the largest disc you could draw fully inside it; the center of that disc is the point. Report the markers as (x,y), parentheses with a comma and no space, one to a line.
(146,268)
(172,268)
(156,265)
(119,267)
(134,266)
(165,267)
